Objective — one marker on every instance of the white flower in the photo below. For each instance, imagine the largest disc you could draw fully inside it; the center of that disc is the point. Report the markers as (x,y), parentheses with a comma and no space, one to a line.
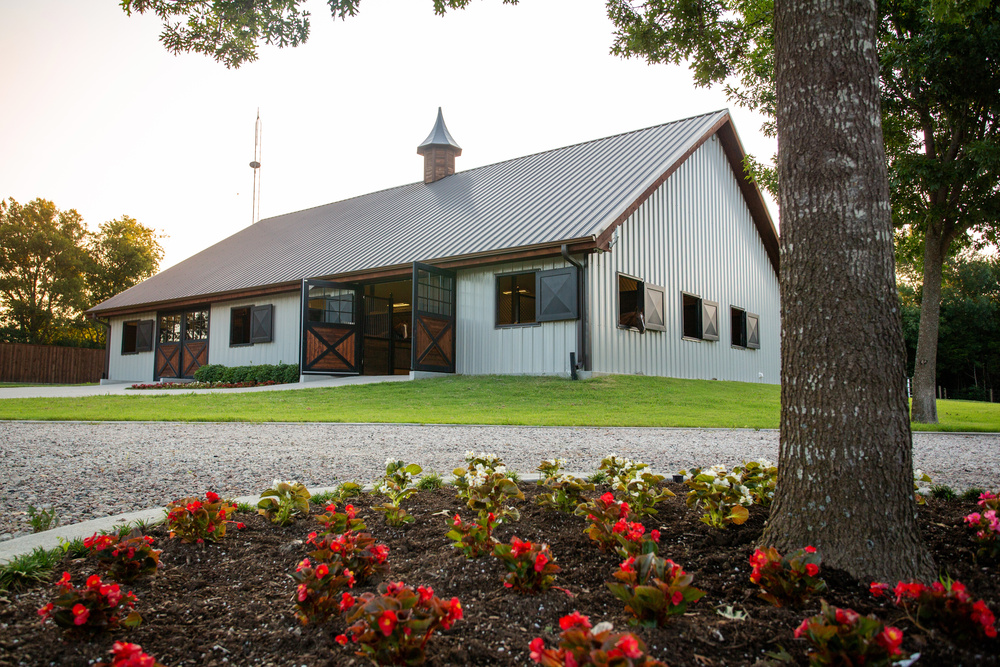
(746,501)
(718,468)
(744,490)
(561,462)
(765,463)
(723,482)
(469,455)
(501,469)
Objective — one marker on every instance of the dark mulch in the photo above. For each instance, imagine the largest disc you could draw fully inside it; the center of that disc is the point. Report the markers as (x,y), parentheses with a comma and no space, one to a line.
(231,603)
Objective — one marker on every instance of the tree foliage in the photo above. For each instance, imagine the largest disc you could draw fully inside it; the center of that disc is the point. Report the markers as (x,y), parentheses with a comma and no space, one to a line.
(52,269)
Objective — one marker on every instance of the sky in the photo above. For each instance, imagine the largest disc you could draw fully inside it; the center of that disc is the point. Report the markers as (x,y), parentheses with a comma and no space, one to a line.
(98,117)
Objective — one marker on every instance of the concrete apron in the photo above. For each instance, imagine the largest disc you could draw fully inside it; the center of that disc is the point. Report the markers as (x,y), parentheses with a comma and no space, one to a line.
(51,539)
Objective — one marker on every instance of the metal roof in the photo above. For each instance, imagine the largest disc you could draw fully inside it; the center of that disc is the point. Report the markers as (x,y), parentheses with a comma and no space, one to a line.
(439,136)
(560,195)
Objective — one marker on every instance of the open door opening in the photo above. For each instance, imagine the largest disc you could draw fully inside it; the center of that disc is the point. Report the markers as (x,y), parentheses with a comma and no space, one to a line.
(388,328)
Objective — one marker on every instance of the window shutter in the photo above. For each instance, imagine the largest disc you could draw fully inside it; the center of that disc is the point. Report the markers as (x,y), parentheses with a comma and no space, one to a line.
(709,320)
(654,298)
(261,323)
(144,336)
(556,294)
(753,331)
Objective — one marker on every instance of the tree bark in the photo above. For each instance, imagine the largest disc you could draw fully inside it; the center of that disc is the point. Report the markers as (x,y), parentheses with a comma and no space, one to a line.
(925,365)
(845,480)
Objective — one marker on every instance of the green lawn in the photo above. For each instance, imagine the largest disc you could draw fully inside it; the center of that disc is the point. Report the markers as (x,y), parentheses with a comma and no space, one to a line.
(607,401)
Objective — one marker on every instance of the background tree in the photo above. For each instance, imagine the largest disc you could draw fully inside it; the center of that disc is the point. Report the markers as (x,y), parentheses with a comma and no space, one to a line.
(42,265)
(845,480)
(123,253)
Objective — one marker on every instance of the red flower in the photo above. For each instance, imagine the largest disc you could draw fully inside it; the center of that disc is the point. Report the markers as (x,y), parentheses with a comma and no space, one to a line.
(847,616)
(381,552)
(387,622)
(341,639)
(457,520)
(540,561)
(113,594)
(812,569)
(574,619)
(802,629)
(346,602)
(878,590)
(810,550)
(194,507)
(608,498)
(64,581)
(303,565)
(212,497)
(80,614)
(655,534)
(211,528)
(322,570)
(629,646)
(331,508)
(519,547)
(240,525)
(676,598)
(94,582)
(349,511)
(890,639)
(626,565)
(424,593)
(536,646)
(46,611)
(303,592)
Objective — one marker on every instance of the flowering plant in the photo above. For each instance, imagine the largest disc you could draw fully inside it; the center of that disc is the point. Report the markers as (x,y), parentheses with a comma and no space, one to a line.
(283,502)
(579,645)
(316,590)
(530,566)
(393,627)
(564,492)
(844,637)
(94,608)
(200,519)
(472,538)
(124,559)
(338,523)
(641,489)
(945,604)
(653,589)
(921,486)
(396,485)
(987,525)
(357,552)
(485,485)
(129,655)
(720,493)
(788,579)
(610,527)
(760,477)
(549,468)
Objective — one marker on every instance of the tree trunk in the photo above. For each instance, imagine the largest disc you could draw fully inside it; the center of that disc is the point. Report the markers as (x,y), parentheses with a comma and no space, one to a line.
(925,365)
(845,480)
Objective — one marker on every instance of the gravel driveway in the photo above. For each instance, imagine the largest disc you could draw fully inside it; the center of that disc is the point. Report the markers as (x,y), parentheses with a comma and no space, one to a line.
(89,470)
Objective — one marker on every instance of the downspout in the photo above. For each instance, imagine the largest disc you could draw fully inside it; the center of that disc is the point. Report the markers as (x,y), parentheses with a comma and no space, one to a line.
(582,361)
(107,344)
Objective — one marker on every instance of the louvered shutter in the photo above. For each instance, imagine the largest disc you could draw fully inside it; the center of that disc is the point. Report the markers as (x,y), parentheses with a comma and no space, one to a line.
(144,336)
(753,331)
(709,320)
(654,298)
(556,295)
(261,323)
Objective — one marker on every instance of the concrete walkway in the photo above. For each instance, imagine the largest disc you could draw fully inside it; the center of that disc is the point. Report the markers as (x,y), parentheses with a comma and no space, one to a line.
(124,388)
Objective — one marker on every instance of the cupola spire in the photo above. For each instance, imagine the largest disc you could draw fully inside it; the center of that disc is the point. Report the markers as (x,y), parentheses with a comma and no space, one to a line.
(439,150)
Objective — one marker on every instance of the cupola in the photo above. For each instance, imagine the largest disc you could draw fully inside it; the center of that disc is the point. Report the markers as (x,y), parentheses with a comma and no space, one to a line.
(439,150)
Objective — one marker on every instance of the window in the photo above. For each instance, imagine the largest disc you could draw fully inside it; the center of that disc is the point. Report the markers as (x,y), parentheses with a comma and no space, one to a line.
(170,328)
(745,328)
(699,318)
(738,325)
(196,325)
(137,336)
(239,326)
(640,305)
(331,305)
(516,299)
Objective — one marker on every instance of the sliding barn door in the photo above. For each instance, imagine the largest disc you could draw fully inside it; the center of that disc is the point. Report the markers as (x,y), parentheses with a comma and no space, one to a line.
(433,319)
(331,327)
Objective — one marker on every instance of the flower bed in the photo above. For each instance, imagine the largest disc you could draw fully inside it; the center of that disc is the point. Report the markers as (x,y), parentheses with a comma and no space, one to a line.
(202,385)
(232,602)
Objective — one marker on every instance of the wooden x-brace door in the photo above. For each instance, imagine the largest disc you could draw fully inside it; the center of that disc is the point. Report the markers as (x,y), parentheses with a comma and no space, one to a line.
(433,319)
(331,327)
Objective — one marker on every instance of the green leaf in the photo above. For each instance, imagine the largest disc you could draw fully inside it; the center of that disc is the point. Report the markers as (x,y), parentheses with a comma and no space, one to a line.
(132,620)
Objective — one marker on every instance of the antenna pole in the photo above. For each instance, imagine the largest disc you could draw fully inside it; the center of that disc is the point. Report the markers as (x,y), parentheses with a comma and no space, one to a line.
(255,165)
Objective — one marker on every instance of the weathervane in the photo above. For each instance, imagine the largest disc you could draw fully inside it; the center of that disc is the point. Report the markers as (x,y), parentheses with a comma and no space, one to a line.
(255,165)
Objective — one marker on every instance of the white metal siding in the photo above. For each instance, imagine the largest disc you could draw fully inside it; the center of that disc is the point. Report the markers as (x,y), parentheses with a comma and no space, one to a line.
(695,235)
(482,348)
(129,367)
(284,345)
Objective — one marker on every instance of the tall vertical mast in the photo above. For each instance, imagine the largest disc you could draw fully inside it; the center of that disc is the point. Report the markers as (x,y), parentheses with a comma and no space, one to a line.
(255,165)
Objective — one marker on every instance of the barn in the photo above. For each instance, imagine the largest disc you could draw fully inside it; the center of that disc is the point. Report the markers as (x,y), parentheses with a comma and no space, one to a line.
(647,252)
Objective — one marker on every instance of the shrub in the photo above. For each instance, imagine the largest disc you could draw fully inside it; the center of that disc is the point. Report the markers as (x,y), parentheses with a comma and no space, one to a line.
(259,374)
(92,609)
(787,580)
(393,627)
(581,645)
(124,559)
(530,567)
(316,590)
(564,493)
(200,519)
(987,525)
(396,485)
(283,502)
(209,373)
(844,637)
(484,484)
(945,604)
(720,493)
(653,588)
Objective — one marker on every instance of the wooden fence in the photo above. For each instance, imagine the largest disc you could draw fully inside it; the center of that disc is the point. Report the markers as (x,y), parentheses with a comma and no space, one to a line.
(49,364)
